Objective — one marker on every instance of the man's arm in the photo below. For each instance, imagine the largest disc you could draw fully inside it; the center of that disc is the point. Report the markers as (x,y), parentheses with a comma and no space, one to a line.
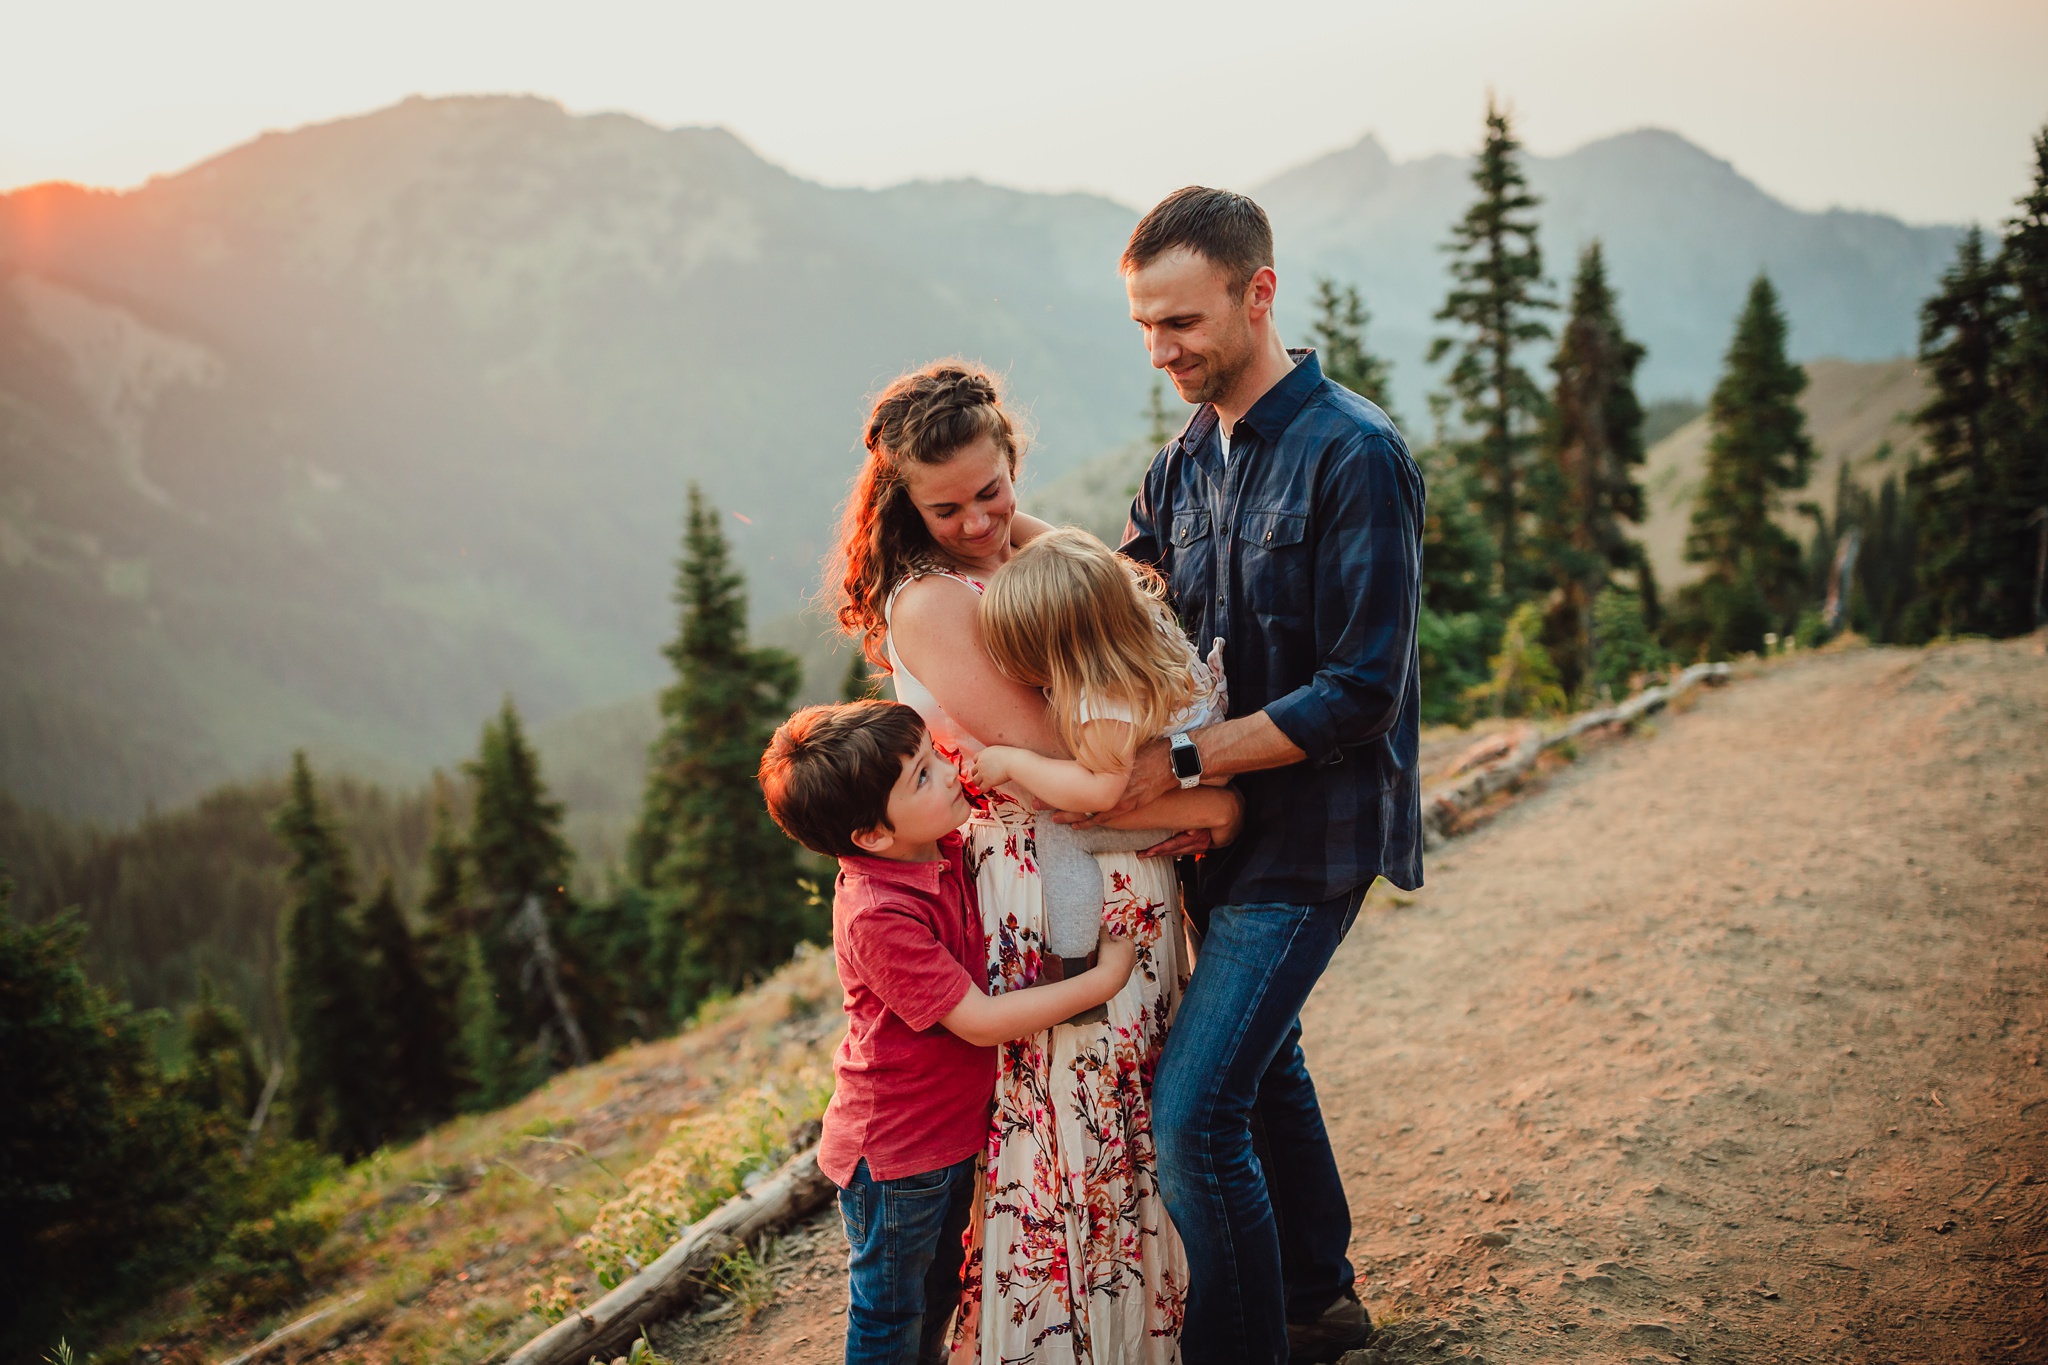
(1368,567)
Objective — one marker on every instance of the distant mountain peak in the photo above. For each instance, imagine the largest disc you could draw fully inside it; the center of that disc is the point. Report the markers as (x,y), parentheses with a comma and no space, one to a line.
(1360,169)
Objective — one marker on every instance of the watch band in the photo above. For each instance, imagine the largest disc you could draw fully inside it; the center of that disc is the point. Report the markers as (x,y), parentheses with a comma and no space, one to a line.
(1186,760)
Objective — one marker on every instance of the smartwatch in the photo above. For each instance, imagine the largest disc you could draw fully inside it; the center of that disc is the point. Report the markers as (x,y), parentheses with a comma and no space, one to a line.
(1185,759)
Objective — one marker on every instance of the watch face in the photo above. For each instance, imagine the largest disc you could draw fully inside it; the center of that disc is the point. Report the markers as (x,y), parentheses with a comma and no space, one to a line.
(1185,761)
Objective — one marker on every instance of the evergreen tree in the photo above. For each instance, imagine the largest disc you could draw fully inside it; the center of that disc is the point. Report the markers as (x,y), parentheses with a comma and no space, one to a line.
(487,1064)
(417,1074)
(519,863)
(1974,576)
(1626,645)
(1159,426)
(1759,448)
(220,1075)
(444,917)
(2023,259)
(724,879)
(1338,335)
(108,1174)
(334,1037)
(861,682)
(1495,299)
(1460,620)
(1585,482)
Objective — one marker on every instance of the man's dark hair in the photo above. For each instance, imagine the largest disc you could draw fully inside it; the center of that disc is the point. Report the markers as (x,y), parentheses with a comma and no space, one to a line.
(1223,227)
(828,771)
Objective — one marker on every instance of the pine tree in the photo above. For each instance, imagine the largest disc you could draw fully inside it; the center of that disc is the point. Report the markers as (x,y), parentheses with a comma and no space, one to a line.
(109,1175)
(1460,621)
(2022,469)
(334,1039)
(417,1080)
(724,879)
(1338,335)
(1495,299)
(1759,448)
(444,917)
(220,1075)
(1159,426)
(487,1064)
(1971,576)
(1585,482)
(519,864)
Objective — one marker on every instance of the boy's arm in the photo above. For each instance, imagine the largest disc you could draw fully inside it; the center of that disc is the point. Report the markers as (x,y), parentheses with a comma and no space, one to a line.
(1058,782)
(986,1020)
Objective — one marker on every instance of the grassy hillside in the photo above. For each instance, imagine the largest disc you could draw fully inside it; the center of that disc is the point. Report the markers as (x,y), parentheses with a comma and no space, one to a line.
(438,1251)
(1857,414)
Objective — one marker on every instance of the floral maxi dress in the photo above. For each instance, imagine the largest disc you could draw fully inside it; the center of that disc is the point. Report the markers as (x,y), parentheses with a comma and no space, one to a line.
(1071,1256)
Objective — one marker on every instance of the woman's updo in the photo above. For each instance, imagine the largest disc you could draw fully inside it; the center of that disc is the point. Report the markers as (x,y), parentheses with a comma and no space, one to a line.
(925,417)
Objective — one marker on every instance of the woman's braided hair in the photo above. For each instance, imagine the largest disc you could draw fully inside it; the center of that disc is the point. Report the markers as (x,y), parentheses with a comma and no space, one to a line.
(925,417)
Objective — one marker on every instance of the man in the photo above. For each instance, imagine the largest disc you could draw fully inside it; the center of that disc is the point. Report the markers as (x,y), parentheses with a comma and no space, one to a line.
(1287,519)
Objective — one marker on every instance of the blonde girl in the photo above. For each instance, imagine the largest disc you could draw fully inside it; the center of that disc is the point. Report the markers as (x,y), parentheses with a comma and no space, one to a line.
(1093,631)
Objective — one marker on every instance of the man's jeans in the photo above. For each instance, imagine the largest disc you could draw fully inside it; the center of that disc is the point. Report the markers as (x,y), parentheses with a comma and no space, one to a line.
(904,1271)
(1244,1163)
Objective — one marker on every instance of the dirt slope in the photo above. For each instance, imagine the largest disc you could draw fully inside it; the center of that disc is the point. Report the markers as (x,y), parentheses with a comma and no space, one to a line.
(1725,1046)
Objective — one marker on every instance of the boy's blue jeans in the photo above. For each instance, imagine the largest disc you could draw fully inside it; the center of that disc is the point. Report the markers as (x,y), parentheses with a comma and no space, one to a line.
(1244,1162)
(904,1270)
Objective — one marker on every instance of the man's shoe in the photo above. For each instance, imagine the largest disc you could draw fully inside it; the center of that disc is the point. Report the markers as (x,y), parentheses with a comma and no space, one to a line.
(1344,1326)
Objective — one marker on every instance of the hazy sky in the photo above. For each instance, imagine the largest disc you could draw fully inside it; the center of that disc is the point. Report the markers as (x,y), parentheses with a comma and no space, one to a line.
(1915,108)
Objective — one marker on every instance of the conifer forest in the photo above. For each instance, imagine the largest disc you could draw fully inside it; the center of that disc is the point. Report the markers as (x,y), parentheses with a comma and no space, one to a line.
(207,1011)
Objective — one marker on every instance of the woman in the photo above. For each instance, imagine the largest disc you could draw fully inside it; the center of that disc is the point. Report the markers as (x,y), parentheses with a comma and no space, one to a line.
(1071,1257)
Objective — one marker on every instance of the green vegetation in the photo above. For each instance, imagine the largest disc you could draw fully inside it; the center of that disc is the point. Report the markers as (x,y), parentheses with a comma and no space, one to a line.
(720,879)
(1495,302)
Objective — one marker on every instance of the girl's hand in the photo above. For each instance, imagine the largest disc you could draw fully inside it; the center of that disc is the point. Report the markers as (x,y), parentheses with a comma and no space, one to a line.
(990,768)
(1116,956)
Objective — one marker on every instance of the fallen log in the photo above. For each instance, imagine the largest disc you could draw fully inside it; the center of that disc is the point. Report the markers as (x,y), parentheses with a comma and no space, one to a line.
(1442,807)
(607,1327)
(290,1330)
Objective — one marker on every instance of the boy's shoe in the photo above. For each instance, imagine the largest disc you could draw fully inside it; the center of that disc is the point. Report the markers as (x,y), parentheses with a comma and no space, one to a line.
(1344,1326)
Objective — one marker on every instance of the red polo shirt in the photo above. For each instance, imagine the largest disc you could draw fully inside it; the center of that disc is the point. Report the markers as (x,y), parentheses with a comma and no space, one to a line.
(911,1097)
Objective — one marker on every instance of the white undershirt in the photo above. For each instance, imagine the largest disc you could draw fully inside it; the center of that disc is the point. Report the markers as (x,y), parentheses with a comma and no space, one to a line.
(1223,435)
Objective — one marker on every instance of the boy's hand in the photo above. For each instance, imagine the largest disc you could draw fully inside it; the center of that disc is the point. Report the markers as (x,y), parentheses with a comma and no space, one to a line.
(990,768)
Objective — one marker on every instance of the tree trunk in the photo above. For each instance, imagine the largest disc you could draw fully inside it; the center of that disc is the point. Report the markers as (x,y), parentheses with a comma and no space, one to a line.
(678,1278)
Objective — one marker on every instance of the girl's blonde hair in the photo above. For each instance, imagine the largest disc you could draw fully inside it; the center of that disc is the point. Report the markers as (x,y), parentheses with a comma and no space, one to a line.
(1068,615)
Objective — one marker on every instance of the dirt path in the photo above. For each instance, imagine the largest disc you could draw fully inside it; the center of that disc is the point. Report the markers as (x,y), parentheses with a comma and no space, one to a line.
(1725,1046)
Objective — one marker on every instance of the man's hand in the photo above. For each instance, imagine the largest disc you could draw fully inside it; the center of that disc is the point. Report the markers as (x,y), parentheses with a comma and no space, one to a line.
(990,768)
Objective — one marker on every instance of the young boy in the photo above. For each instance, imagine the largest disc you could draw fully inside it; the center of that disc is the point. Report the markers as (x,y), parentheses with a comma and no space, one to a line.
(916,1074)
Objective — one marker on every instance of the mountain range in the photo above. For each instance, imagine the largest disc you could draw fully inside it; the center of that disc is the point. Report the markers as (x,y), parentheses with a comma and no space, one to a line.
(337,438)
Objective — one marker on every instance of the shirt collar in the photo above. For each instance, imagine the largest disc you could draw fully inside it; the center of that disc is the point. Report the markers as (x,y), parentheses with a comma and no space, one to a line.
(1277,406)
(1274,410)
(925,877)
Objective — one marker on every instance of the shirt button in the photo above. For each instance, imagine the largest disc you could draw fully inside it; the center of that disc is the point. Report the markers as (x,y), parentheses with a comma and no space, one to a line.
(1269,537)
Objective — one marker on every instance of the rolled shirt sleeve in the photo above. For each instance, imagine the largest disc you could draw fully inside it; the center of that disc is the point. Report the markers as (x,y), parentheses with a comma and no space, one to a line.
(1368,567)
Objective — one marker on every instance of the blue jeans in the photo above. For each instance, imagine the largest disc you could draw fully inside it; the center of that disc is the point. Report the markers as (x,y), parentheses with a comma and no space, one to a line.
(1244,1162)
(904,1270)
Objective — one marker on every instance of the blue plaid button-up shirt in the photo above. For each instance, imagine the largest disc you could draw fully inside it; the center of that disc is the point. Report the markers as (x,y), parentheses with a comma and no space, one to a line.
(1304,553)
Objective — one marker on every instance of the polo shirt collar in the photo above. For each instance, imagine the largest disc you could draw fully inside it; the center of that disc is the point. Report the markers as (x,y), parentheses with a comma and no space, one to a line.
(925,877)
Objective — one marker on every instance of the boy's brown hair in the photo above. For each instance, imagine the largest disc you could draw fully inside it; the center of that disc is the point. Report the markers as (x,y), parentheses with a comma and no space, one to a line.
(1223,227)
(829,770)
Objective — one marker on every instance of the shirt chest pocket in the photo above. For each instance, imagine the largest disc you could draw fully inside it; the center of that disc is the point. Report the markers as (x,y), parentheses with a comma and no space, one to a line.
(1278,573)
(1193,568)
